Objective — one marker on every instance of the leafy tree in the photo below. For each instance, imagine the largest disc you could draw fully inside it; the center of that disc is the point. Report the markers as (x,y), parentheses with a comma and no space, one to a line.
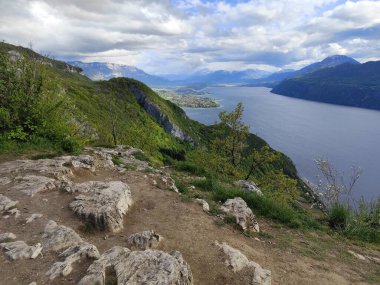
(231,135)
(259,158)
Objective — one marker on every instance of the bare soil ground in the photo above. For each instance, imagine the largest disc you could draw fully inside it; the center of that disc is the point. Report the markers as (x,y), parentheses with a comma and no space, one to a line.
(294,257)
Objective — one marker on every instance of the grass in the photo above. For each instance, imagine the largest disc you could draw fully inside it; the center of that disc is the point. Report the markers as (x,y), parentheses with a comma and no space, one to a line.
(117,160)
(190,167)
(261,205)
(141,156)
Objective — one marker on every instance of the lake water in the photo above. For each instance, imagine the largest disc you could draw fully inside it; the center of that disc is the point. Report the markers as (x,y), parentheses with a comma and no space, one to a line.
(306,130)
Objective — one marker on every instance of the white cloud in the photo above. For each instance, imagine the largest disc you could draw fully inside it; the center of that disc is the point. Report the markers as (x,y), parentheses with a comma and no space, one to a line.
(174,36)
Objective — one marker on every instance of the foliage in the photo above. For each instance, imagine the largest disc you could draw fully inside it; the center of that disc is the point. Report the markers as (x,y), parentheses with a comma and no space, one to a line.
(232,134)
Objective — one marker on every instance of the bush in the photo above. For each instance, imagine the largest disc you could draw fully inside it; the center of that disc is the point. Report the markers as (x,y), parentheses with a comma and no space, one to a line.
(190,167)
(338,216)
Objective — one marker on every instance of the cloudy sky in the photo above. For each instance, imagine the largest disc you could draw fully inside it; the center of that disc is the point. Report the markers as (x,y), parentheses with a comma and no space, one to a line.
(181,36)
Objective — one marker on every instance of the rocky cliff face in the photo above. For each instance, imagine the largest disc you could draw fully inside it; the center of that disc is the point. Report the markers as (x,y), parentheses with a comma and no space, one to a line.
(154,111)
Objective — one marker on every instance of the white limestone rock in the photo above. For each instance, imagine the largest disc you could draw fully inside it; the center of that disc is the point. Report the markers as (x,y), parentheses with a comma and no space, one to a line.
(204,204)
(149,267)
(83,161)
(144,240)
(7,236)
(248,186)
(5,180)
(72,255)
(20,250)
(33,184)
(57,237)
(15,212)
(33,217)
(238,208)
(237,261)
(104,205)
(6,203)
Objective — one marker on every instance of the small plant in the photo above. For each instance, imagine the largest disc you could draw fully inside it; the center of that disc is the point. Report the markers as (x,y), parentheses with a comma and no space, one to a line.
(87,228)
(229,220)
(185,198)
(130,167)
(338,216)
(117,160)
(140,156)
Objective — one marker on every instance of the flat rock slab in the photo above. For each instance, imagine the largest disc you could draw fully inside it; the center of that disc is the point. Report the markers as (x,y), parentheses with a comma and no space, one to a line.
(6,203)
(104,204)
(144,240)
(57,237)
(20,250)
(149,267)
(72,255)
(237,261)
(238,208)
(32,184)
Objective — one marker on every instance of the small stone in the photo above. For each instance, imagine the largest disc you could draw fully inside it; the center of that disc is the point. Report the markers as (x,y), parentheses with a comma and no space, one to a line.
(204,204)
(7,236)
(20,250)
(144,240)
(238,208)
(33,217)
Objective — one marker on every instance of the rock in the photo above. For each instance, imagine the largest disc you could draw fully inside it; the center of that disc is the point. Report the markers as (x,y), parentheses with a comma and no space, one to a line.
(238,208)
(57,237)
(248,186)
(357,255)
(32,184)
(140,267)
(5,180)
(374,259)
(14,212)
(204,204)
(83,161)
(238,261)
(20,250)
(33,217)
(144,240)
(33,283)
(7,237)
(72,255)
(105,205)
(6,203)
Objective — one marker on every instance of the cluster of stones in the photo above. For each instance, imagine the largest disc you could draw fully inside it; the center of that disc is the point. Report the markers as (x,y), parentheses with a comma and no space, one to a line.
(104,205)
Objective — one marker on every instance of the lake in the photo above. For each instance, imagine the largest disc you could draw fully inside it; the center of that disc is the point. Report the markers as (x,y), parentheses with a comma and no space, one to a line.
(306,130)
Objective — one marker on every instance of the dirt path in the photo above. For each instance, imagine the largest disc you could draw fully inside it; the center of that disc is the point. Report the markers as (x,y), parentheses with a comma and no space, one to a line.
(186,228)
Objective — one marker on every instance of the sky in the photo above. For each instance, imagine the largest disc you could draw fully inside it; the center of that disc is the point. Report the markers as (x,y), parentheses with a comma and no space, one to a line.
(184,36)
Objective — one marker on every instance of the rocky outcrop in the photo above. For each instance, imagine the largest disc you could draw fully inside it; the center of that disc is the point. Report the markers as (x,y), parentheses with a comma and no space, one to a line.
(72,255)
(248,186)
(140,267)
(33,184)
(238,208)
(144,240)
(104,204)
(57,237)
(237,261)
(159,116)
(20,250)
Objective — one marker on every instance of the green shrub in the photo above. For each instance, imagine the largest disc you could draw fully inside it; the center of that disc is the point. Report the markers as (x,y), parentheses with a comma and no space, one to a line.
(141,156)
(116,160)
(190,167)
(338,216)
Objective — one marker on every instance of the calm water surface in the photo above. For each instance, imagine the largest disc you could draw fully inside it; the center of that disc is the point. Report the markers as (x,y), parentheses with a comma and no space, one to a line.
(306,130)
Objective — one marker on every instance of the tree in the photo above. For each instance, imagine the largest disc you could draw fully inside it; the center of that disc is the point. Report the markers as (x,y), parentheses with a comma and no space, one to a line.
(231,135)
(259,158)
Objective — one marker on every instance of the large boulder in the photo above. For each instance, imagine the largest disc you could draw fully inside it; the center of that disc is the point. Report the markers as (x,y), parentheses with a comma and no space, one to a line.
(144,240)
(57,237)
(149,267)
(237,261)
(104,203)
(248,186)
(20,250)
(238,208)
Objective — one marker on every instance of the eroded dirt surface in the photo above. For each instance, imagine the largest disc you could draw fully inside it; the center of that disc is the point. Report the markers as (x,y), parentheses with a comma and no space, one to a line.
(185,228)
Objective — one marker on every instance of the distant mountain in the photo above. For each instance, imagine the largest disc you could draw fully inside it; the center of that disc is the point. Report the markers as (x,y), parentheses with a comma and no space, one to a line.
(328,62)
(224,77)
(348,84)
(105,71)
